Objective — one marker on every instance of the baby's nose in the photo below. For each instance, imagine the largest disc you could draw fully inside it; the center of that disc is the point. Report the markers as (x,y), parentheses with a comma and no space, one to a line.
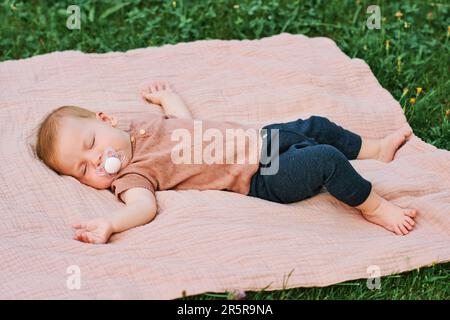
(98,160)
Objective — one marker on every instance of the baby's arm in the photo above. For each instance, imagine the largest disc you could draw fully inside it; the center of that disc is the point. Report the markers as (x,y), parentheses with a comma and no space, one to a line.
(140,209)
(160,93)
(173,105)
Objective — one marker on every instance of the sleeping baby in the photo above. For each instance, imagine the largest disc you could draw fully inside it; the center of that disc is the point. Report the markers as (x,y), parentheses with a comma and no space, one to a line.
(281,162)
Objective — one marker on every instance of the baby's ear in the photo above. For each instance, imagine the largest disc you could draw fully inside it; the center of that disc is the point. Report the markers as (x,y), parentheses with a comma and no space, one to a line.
(106,118)
(101,116)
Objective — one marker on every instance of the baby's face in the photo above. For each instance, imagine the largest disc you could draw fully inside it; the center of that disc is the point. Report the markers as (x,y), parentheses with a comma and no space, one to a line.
(81,144)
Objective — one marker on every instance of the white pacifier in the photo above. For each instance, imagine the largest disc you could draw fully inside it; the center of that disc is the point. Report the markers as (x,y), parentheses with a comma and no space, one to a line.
(112,162)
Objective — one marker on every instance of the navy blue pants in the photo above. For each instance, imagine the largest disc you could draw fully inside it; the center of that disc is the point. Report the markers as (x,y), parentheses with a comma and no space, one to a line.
(313,153)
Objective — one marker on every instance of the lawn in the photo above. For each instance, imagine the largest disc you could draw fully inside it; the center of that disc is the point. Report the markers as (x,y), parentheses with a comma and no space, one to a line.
(409,55)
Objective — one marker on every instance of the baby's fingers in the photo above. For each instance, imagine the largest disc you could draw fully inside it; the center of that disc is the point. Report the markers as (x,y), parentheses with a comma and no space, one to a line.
(79,226)
(165,86)
(86,238)
(159,85)
(94,238)
(82,236)
(146,95)
(154,87)
(149,97)
(78,235)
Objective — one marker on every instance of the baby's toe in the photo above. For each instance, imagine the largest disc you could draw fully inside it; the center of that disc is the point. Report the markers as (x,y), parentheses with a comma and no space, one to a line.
(407,225)
(410,221)
(397,231)
(403,229)
(410,212)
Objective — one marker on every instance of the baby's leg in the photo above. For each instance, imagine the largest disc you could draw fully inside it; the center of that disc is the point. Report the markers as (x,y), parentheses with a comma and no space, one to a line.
(384,149)
(303,171)
(388,215)
(324,131)
(352,145)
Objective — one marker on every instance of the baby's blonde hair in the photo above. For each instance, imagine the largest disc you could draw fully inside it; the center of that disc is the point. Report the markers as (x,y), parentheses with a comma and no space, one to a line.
(48,130)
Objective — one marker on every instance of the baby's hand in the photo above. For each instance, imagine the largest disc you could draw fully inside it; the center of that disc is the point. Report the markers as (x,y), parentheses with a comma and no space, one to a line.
(157,92)
(93,231)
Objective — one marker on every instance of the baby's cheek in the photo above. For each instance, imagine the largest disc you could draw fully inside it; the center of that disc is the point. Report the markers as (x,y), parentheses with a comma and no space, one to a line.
(105,181)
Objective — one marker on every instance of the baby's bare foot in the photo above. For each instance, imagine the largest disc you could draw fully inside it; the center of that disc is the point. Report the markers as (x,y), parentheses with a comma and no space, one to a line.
(392,217)
(391,143)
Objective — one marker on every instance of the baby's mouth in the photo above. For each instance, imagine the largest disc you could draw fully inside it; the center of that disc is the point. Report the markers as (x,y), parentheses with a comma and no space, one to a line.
(112,162)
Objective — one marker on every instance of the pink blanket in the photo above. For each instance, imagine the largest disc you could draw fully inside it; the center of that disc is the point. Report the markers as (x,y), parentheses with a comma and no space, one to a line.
(209,240)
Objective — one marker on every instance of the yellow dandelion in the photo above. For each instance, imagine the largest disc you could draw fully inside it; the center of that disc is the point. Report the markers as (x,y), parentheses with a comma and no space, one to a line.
(418,90)
(398,14)
(412,100)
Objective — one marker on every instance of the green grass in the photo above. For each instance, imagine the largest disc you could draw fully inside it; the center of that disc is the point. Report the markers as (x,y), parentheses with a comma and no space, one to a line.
(424,284)
(409,51)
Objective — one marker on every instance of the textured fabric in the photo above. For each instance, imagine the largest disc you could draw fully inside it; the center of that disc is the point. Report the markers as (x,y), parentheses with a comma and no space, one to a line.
(210,240)
(181,154)
(313,153)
